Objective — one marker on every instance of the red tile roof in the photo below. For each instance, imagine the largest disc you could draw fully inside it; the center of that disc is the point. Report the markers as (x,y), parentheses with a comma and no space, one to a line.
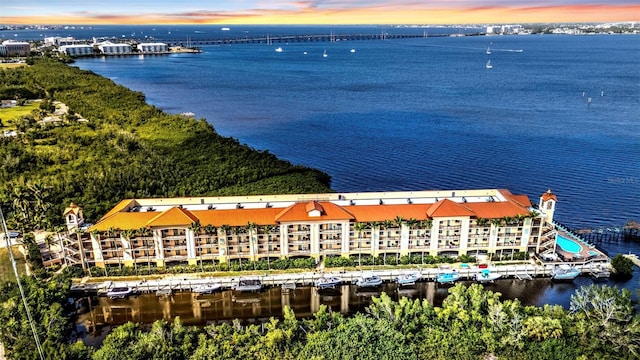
(173,217)
(370,213)
(549,195)
(448,208)
(237,217)
(298,212)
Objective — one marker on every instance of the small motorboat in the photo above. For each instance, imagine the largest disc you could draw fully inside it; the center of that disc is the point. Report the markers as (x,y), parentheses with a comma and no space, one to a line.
(565,272)
(487,276)
(248,285)
(448,277)
(407,279)
(207,288)
(119,292)
(368,281)
(328,282)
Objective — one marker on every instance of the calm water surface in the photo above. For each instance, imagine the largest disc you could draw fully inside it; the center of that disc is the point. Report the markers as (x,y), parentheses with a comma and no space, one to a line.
(419,114)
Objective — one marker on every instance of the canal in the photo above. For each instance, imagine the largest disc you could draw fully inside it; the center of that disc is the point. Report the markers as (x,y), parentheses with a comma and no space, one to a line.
(98,315)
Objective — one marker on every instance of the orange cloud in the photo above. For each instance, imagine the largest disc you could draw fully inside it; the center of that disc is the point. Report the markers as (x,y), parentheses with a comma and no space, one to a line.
(305,14)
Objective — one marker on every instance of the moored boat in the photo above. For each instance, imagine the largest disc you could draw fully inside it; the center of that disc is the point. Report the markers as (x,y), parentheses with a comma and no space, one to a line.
(119,292)
(248,285)
(368,281)
(327,282)
(564,272)
(407,279)
(207,288)
(447,277)
(487,276)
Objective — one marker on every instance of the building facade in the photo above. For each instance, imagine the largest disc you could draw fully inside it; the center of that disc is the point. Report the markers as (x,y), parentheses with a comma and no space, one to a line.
(109,48)
(15,48)
(153,48)
(223,229)
(77,50)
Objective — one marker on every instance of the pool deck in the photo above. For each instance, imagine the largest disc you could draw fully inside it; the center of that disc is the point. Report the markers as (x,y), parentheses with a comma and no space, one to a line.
(587,252)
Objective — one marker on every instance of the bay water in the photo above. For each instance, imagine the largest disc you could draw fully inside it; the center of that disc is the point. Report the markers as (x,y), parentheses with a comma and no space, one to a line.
(554,112)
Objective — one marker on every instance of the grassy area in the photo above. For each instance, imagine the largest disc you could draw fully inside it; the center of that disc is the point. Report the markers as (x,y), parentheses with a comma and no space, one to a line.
(10,115)
(11,65)
(6,271)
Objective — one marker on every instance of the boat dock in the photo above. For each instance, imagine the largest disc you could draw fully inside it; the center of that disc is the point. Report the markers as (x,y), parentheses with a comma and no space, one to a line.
(168,285)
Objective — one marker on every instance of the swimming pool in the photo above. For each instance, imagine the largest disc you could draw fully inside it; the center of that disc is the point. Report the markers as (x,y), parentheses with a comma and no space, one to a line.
(568,245)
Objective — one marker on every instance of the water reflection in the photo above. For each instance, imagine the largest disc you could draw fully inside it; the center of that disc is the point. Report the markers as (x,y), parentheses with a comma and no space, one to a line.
(99,314)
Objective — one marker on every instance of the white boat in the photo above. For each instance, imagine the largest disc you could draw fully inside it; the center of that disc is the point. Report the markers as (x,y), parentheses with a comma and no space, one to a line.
(352,50)
(447,277)
(207,288)
(119,292)
(248,285)
(369,281)
(278,49)
(324,54)
(564,272)
(407,279)
(489,66)
(327,282)
(487,276)
(225,29)
(489,50)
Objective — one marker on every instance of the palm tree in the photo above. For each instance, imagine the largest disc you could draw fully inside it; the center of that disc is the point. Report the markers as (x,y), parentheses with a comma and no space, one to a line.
(208,230)
(112,233)
(225,231)
(267,230)
(128,234)
(238,231)
(195,227)
(143,232)
(251,228)
(359,228)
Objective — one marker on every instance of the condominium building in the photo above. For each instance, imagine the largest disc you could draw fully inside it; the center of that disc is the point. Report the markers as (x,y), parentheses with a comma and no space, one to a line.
(222,229)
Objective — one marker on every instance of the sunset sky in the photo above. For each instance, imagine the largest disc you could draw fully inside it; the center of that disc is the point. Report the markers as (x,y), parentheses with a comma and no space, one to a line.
(315,11)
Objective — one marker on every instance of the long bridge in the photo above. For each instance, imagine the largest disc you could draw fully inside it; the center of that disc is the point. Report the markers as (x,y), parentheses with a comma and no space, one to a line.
(276,39)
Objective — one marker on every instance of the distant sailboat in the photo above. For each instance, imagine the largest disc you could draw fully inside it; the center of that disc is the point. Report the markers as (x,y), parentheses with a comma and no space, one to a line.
(489,66)
(489,50)
(324,54)
(278,49)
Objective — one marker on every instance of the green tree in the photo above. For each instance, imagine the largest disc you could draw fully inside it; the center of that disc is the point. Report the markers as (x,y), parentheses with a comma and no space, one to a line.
(622,266)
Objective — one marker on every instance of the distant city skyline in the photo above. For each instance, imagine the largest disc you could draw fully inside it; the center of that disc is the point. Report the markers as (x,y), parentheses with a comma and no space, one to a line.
(316,12)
